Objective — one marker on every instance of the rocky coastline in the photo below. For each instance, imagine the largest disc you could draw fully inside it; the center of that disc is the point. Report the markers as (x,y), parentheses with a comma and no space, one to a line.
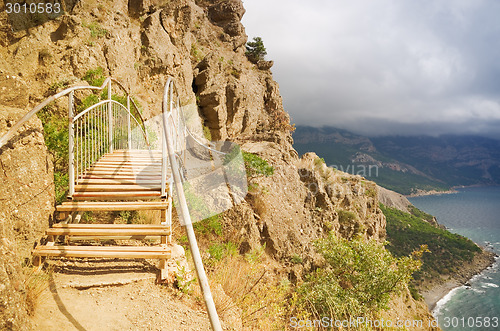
(421,193)
(439,288)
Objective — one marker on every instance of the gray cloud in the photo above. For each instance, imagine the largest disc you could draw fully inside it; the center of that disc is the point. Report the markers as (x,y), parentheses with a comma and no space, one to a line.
(385,66)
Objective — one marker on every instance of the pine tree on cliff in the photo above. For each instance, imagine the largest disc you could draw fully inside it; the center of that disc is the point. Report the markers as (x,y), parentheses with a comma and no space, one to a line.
(255,50)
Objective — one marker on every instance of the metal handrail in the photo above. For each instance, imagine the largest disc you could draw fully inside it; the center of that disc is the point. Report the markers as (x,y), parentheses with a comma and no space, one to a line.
(168,146)
(6,137)
(170,81)
(115,102)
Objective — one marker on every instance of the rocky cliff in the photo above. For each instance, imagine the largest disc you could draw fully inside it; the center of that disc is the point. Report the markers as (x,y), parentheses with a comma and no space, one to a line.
(202,45)
(26,205)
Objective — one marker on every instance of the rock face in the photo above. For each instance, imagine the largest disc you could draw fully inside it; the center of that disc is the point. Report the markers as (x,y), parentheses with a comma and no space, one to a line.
(302,202)
(393,199)
(26,204)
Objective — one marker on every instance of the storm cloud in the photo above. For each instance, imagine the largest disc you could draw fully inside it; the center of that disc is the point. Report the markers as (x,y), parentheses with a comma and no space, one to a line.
(386,66)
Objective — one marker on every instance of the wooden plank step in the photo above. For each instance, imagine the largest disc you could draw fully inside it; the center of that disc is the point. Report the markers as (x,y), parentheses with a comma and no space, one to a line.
(108,181)
(132,156)
(108,174)
(118,195)
(115,170)
(125,177)
(123,172)
(110,206)
(87,238)
(131,252)
(127,166)
(109,248)
(135,151)
(115,188)
(103,232)
(106,226)
(121,159)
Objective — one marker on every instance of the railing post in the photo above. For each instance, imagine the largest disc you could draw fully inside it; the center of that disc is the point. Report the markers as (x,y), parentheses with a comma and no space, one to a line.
(129,124)
(71,146)
(110,118)
(164,161)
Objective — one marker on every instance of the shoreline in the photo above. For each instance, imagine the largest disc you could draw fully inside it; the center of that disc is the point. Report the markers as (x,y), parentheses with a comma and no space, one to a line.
(452,190)
(478,265)
(421,193)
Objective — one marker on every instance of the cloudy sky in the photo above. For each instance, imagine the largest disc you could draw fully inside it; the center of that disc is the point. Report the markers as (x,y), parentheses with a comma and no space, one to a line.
(385,66)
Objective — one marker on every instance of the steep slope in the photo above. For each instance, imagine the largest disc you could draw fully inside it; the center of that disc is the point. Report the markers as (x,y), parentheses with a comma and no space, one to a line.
(202,45)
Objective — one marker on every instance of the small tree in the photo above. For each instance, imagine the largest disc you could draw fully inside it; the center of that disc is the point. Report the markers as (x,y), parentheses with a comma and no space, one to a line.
(255,50)
(358,279)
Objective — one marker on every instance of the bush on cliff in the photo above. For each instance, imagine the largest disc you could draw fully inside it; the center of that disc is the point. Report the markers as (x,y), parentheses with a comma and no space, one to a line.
(357,280)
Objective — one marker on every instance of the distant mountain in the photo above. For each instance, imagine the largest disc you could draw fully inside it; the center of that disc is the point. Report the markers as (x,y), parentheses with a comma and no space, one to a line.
(406,164)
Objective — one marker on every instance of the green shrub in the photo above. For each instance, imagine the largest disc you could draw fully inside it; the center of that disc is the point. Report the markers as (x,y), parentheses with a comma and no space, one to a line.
(211,225)
(346,217)
(296,259)
(358,280)
(206,133)
(220,250)
(256,165)
(56,135)
(94,77)
(319,161)
(90,100)
(197,53)
(96,30)
(255,255)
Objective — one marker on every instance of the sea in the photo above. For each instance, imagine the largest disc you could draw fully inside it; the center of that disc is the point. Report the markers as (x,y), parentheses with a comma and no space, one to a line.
(473,212)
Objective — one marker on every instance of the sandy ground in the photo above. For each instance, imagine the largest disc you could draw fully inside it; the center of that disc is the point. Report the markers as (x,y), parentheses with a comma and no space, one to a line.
(114,297)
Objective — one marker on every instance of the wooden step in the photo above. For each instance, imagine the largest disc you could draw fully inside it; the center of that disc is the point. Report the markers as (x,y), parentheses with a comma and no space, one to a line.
(106,226)
(118,181)
(135,152)
(109,231)
(126,167)
(123,177)
(156,157)
(104,232)
(131,252)
(116,188)
(122,172)
(134,195)
(111,206)
(126,162)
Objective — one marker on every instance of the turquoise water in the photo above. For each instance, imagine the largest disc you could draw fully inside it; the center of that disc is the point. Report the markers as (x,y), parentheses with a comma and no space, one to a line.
(474,213)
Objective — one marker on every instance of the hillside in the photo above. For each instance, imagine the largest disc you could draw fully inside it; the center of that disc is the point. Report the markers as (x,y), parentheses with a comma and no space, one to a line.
(270,256)
(407,164)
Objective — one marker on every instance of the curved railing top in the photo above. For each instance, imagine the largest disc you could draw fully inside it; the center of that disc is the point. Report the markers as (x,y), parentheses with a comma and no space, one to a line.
(10,133)
(168,95)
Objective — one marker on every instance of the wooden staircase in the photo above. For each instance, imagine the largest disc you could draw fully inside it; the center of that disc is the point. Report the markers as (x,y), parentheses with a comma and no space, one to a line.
(110,185)
(122,175)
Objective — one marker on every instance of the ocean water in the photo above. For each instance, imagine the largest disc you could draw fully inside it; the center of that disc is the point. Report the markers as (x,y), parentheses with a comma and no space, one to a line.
(474,213)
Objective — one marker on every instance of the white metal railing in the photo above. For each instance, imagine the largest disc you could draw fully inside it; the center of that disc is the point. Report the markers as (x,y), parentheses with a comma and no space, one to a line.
(99,129)
(175,133)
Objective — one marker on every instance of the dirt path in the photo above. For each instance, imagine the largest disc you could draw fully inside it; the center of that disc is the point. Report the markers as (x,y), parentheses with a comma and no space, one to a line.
(114,296)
